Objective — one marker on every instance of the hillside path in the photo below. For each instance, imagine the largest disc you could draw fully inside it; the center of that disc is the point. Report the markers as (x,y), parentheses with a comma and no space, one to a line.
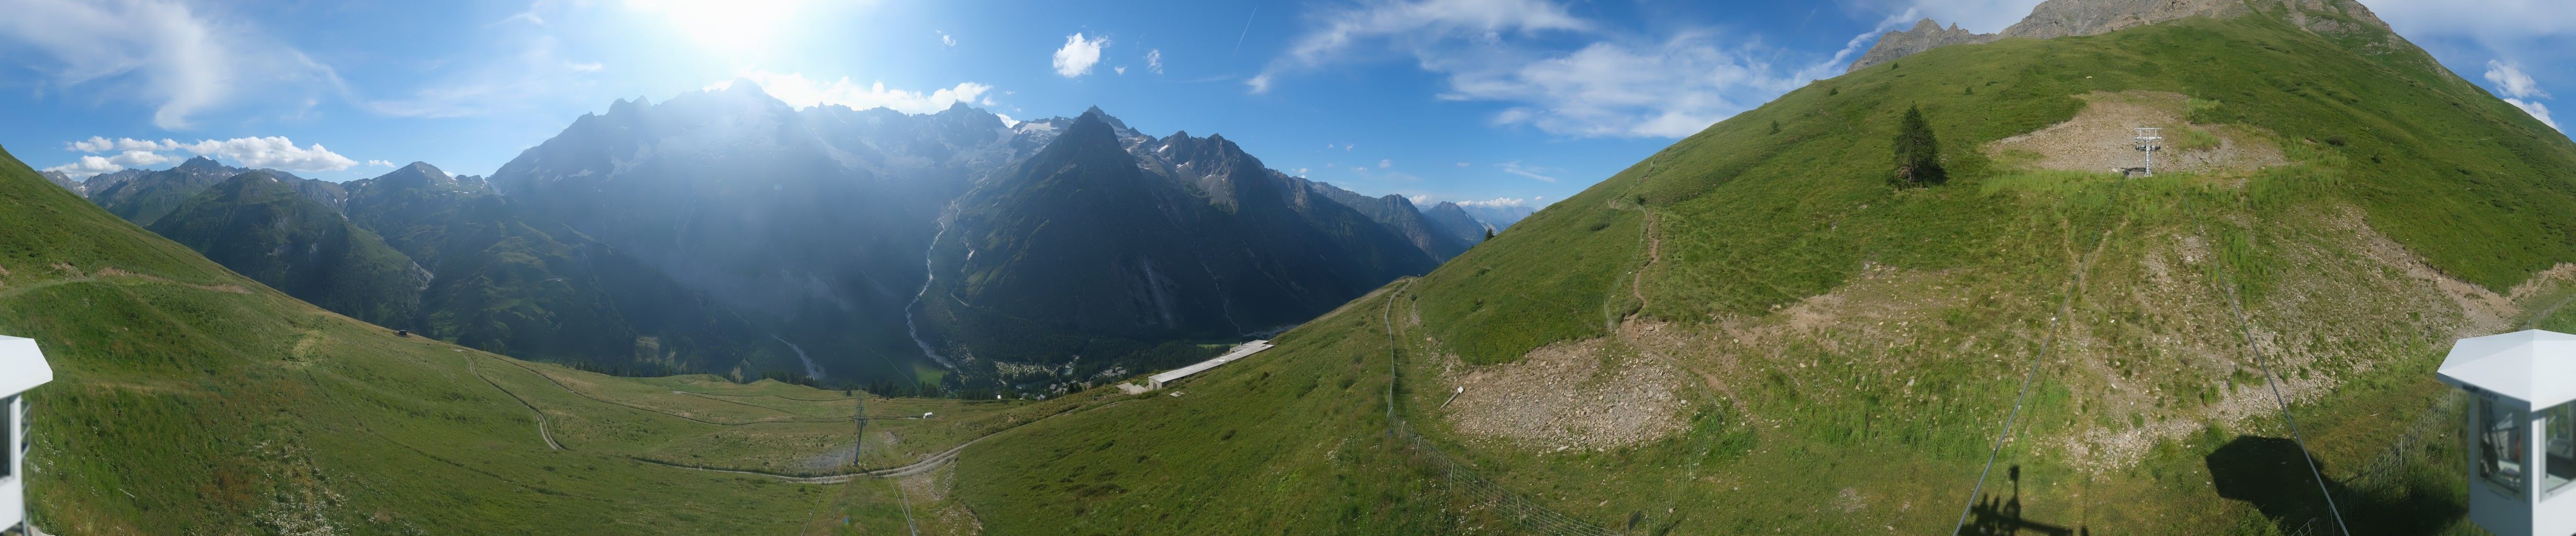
(543,432)
(1654,252)
(926,464)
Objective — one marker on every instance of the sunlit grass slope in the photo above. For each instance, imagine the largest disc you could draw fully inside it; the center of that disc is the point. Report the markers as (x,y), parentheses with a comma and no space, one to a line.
(1849,350)
(191,400)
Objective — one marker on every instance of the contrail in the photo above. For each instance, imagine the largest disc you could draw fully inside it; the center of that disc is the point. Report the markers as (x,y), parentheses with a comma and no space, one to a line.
(1247,30)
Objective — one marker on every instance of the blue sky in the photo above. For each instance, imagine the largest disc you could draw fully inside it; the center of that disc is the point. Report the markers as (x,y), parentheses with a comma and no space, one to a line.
(1503,101)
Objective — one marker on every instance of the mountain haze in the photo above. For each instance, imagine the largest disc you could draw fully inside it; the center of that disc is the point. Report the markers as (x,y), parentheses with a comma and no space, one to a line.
(820,223)
(256,225)
(1107,241)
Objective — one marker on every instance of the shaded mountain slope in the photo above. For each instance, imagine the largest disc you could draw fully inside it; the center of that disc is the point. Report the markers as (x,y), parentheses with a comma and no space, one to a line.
(257,226)
(818,224)
(1426,229)
(1079,250)
(1447,218)
(813,220)
(511,283)
(190,399)
(143,196)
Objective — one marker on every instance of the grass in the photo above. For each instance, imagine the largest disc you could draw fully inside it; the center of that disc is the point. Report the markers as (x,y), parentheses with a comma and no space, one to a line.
(1288,442)
(189,399)
(1877,415)
(1759,219)
(225,409)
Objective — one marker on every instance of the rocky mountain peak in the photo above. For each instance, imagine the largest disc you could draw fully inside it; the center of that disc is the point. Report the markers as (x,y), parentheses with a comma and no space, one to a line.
(416,175)
(1114,123)
(1926,35)
(2062,18)
(200,162)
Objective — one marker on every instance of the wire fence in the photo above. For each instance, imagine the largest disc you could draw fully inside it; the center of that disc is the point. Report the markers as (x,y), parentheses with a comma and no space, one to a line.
(1463,483)
(2411,447)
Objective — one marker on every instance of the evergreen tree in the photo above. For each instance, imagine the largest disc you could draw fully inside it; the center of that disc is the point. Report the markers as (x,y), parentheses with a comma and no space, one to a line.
(1918,155)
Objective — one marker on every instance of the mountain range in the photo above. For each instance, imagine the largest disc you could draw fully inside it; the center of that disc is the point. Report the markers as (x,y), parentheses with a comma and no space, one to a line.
(725,231)
(1754,328)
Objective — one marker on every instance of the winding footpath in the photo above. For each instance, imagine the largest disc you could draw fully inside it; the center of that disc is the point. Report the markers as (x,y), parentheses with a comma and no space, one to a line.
(543,432)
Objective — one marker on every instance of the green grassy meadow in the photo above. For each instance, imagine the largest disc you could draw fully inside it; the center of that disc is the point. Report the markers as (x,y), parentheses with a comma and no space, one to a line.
(1851,350)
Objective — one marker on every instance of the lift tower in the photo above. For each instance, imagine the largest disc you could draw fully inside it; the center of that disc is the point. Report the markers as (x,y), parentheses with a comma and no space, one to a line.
(2148,139)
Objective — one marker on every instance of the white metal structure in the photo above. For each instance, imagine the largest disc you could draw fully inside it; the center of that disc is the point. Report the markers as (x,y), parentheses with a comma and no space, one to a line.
(2521,430)
(22,367)
(2147,139)
(1245,349)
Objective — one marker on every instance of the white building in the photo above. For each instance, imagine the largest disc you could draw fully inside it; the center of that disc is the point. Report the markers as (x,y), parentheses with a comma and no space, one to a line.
(2521,430)
(22,367)
(1167,377)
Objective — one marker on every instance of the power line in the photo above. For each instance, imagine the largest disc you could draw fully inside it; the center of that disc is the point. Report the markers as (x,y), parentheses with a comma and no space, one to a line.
(2065,308)
(2246,327)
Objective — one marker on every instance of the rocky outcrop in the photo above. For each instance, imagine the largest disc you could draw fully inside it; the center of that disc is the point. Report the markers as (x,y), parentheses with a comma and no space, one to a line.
(1926,35)
(2062,18)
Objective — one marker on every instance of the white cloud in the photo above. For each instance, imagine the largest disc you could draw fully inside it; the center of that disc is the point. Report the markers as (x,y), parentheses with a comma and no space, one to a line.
(1154,60)
(164,52)
(1121,70)
(1422,20)
(270,152)
(1499,202)
(1462,164)
(946,39)
(1007,121)
(86,167)
(139,159)
(798,91)
(2520,91)
(1516,168)
(2513,81)
(1385,163)
(380,163)
(1420,199)
(1601,82)
(2537,111)
(1078,55)
(99,144)
(1301,173)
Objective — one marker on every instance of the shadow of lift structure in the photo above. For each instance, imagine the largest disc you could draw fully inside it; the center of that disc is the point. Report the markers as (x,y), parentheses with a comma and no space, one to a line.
(2002,516)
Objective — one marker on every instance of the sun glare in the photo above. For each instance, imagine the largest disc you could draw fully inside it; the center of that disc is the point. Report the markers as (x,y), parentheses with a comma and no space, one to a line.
(733,26)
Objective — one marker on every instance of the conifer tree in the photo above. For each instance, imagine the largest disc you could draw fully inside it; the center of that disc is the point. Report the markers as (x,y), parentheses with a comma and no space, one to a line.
(1918,155)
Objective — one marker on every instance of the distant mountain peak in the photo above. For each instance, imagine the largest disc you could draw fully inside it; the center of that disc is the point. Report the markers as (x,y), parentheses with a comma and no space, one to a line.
(416,175)
(200,162)
(2063,18)
(1114,124)
(744,85)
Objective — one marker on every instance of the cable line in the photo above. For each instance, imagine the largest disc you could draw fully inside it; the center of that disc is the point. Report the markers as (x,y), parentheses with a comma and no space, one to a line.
(2245,326)
(2065,308)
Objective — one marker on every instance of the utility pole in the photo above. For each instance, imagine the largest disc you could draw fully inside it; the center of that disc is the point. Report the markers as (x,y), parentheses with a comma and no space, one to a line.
(859,440)
(2147,139)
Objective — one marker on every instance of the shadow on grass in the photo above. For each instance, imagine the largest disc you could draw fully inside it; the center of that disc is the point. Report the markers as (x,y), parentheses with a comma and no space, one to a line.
(2002,516)
(2267,472)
